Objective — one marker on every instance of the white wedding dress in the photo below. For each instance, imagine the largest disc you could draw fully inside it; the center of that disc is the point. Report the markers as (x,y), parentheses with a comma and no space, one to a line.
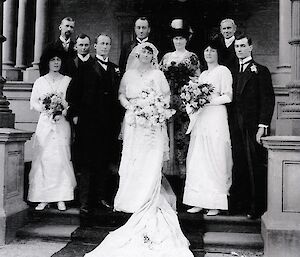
(51,178)
(209,159)
(153,229)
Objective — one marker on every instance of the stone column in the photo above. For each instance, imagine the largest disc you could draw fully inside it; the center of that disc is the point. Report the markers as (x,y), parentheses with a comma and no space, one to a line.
(9,30)
(13,209)
(7,118)
(32,73)
(284,34)
(288,122)
(281,222)
(21,32)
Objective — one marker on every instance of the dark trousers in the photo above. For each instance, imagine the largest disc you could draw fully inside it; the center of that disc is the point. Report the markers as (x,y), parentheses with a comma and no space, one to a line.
(94,184)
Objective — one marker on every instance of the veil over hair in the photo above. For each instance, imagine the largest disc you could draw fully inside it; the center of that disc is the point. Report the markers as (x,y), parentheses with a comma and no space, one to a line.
(133,61)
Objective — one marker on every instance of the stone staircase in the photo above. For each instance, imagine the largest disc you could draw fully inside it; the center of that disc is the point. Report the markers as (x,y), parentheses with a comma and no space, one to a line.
(221,233)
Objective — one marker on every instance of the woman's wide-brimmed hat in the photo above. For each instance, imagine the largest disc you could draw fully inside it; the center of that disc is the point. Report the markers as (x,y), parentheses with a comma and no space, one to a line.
(180,27)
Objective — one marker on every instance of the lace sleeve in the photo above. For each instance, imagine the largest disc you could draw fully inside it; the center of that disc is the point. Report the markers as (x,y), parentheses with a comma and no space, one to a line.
(122,92)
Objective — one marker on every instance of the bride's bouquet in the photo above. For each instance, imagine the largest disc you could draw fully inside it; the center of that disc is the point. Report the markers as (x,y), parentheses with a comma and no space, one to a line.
(54,105)
(150,110)
(195,95)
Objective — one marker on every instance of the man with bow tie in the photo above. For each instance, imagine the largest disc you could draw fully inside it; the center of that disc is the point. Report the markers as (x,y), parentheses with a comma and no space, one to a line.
(142,30)
(95,109)
(250,118)
(63,44)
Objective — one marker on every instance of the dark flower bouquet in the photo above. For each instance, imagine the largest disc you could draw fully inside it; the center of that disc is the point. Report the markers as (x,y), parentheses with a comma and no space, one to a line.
(54,105)
(195,95)
(177,74)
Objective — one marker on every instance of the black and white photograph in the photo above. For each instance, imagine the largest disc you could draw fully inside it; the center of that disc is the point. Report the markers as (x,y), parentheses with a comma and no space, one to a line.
(149,128)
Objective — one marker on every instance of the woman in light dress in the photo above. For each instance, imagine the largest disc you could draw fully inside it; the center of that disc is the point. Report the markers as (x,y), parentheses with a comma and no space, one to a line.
(153,229)
(209,159)
(188,65)
(51,178)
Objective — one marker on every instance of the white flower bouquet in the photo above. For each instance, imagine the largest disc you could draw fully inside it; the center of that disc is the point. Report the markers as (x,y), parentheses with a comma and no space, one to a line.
(195,95)
(150,110)
(54,105)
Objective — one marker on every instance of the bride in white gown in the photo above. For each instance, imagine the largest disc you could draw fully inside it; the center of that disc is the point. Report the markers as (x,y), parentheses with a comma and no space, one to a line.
(153,229)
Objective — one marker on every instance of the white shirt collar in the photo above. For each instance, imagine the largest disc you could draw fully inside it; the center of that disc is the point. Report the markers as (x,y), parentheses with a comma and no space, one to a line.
(142,40)
(101,58)
(242,61)
(229,41)
(62,39)
(83,58)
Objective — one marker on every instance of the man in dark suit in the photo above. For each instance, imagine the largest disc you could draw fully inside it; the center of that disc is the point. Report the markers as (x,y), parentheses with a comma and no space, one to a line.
(95,109)
(227,54)
(142,29)
(250,117)
(63,44)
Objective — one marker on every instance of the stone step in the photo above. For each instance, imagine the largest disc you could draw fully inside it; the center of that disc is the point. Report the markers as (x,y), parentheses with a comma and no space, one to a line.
(219,223)
(223,241)
(189,222)
(53,216)
(51,232)
(95,235)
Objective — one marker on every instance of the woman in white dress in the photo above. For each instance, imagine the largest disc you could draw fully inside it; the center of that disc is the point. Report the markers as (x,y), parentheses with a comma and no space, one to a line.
(51,178)
(209,159)
(153,229)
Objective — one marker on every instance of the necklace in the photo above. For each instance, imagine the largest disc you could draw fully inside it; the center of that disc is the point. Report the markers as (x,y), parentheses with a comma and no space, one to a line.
(142,72)
(54,78)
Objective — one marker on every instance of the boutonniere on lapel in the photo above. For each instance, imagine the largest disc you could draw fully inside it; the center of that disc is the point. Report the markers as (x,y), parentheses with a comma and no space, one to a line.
(253,68)
(117,70)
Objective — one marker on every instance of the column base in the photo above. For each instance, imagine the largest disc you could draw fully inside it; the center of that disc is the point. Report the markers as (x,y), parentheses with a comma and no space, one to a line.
(282,75)
(31,74)
(288,127)
(7,120)
(279,238)
(11,223)
(12,74)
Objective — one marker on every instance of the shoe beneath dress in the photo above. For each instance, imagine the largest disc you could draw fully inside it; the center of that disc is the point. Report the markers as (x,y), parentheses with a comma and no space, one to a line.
(194,210)
(41,206)
(213,212)
(61,206)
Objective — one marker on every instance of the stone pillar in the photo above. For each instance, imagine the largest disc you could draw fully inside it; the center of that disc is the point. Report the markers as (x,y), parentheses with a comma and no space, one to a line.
(32,73)
(284,34)
(281,222)
(13,209)
(9,30)
(21,32)
(288,122)
(7,118)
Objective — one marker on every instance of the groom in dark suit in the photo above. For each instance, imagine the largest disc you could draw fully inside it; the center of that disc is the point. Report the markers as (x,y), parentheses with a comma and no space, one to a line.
(142,29)
(250,117)
(93,99)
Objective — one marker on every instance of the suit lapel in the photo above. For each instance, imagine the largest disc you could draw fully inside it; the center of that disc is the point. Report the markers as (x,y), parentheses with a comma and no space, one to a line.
(98,69)
(244,78)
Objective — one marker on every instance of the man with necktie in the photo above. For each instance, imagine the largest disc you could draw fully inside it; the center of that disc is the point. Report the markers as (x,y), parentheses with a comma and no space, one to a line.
(95,108)
(251,113)
(63,44)
(142,30)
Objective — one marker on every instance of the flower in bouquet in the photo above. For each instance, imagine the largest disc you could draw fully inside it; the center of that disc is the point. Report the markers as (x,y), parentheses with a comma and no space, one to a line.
(150,110)
(195,95)
(54,104)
